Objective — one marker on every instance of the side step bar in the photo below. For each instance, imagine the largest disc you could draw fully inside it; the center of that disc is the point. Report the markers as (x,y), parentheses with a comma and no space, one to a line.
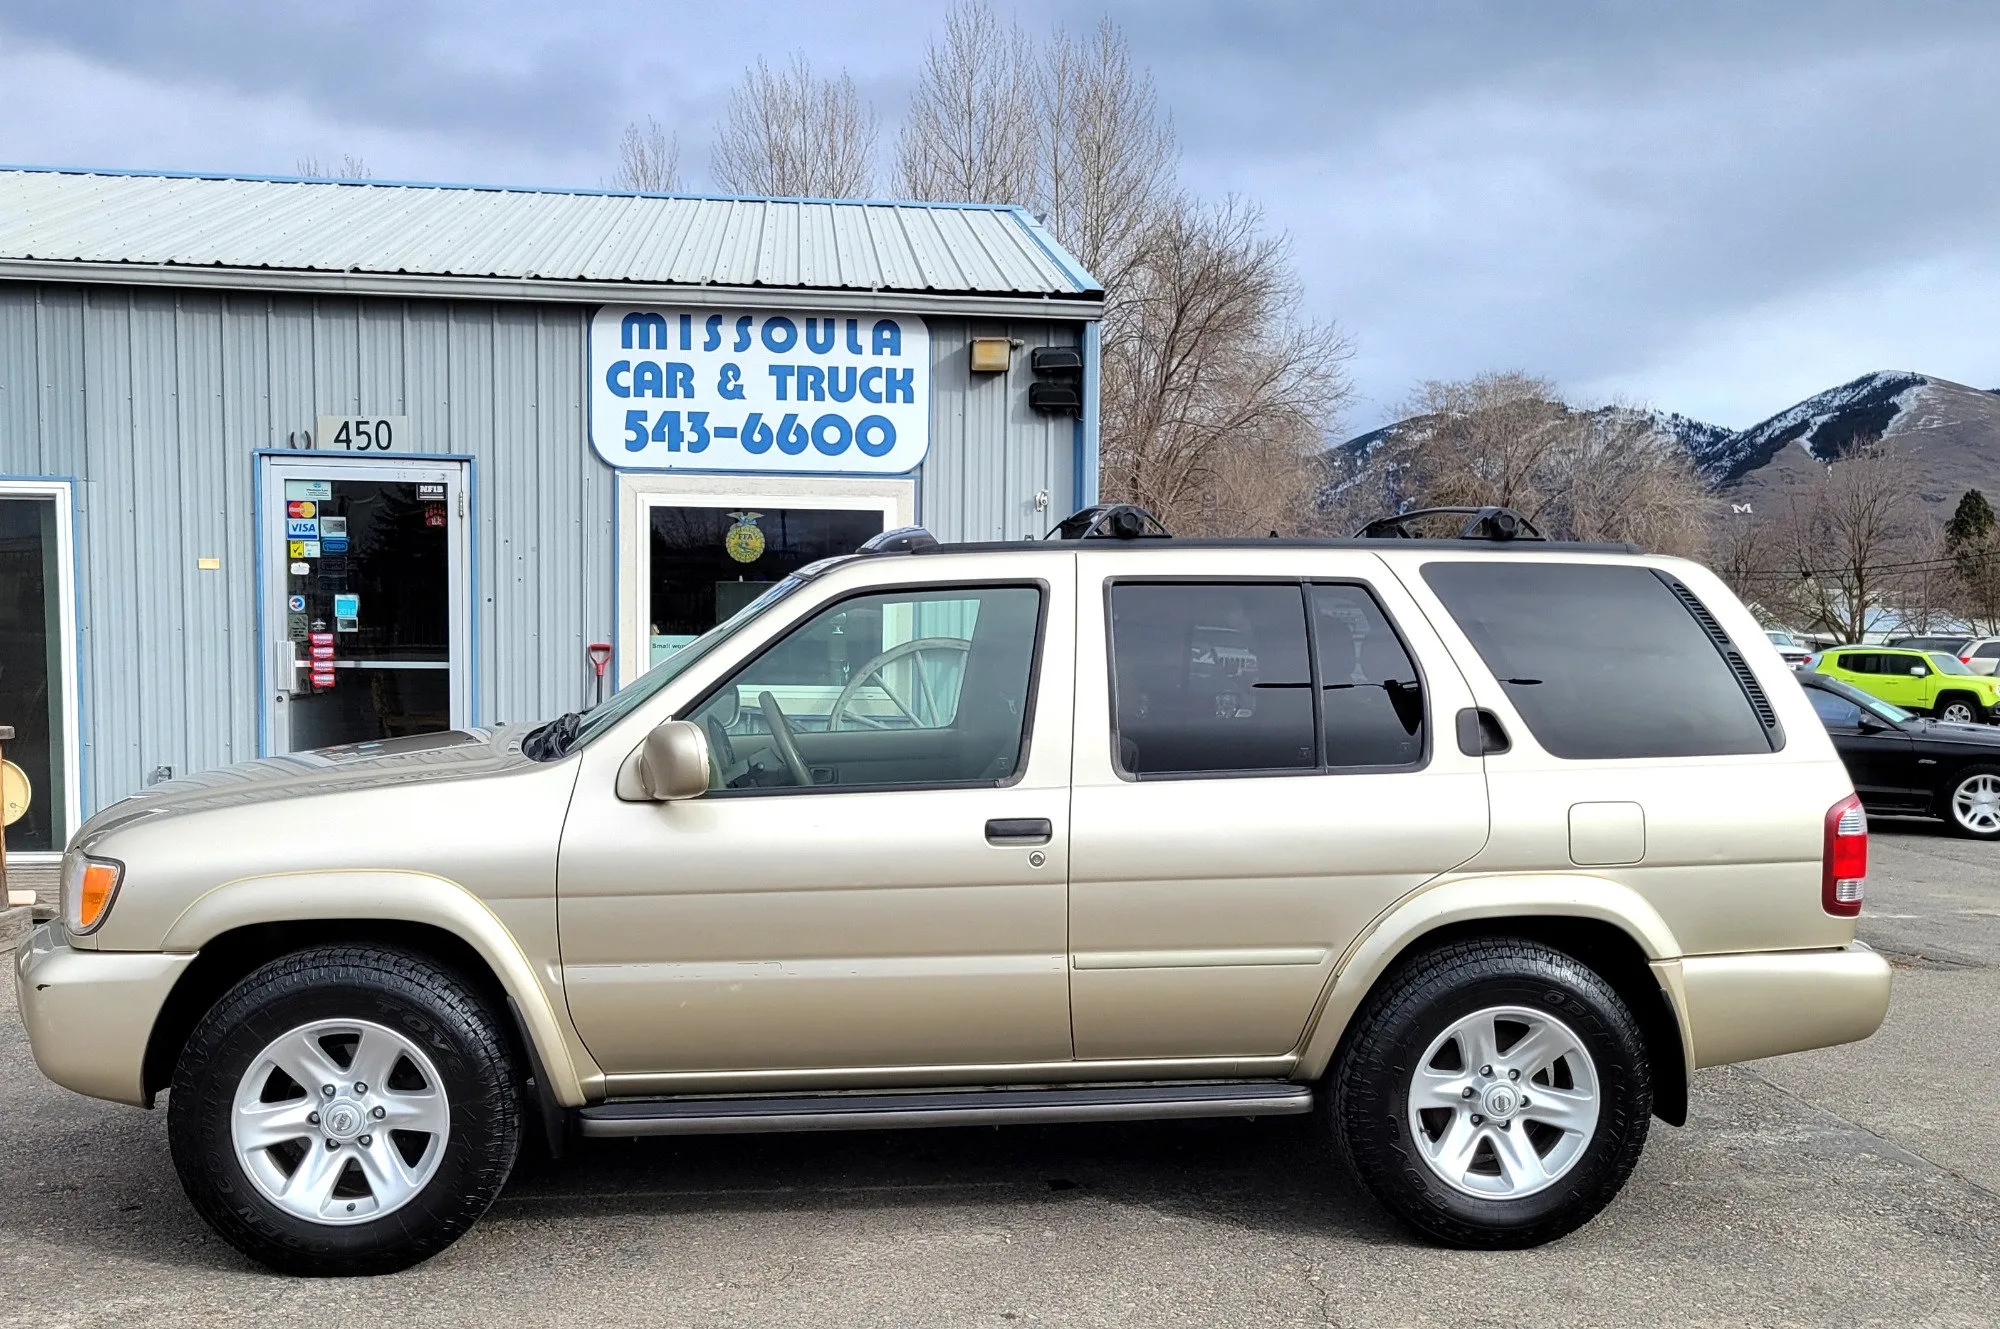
(955,1107)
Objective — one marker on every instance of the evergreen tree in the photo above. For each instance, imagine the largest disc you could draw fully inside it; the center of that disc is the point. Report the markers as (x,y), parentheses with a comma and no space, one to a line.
(1968,531)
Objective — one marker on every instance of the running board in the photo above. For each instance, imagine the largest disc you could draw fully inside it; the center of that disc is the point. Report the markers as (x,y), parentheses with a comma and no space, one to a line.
(955,1107)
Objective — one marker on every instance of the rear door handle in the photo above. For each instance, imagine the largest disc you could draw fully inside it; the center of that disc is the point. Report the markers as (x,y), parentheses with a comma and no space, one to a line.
(1019,830)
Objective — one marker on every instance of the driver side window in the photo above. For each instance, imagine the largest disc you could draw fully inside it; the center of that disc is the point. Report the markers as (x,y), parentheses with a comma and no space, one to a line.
(895,689)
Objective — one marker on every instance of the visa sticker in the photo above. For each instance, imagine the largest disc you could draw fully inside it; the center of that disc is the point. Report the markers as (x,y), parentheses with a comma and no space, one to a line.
(302,528)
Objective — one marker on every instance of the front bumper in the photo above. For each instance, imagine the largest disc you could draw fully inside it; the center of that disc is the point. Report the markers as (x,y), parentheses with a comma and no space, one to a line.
(1741,1007)
(89,1014)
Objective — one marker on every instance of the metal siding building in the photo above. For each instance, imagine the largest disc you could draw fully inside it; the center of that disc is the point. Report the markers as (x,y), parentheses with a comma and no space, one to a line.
(162,337)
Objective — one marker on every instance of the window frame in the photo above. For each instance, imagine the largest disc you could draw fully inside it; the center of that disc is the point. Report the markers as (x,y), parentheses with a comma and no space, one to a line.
(1029,711)
(1317,685)
(60,492)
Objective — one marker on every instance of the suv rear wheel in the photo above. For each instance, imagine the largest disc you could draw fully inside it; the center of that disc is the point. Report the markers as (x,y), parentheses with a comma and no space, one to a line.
(345,1110)
(1493,1094)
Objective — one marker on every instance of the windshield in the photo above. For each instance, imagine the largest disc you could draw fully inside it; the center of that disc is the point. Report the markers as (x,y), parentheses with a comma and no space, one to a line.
(1781,638)
(1873,705)
(1947,664)
(635,694)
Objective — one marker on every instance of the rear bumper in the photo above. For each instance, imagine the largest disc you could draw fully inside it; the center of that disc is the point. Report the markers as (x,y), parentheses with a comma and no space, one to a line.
(89,1014)
(1741,1007)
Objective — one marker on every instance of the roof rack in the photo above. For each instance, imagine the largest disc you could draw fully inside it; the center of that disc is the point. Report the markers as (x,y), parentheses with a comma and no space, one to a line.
(1499,525)
(1109,521)
(899,540)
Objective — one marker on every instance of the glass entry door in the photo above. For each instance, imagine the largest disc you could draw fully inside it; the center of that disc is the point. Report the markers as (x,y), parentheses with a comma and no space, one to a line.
(366,600)
(38,768)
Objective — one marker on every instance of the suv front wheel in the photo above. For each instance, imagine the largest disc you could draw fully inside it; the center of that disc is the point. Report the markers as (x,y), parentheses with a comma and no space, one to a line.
(345,1110)
(1493,1094)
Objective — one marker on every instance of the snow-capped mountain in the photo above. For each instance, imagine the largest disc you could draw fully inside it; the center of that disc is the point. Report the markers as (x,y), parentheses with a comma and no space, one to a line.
(1949,433)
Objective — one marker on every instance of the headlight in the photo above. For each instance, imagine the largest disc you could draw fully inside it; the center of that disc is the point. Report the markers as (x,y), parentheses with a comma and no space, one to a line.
(89,885)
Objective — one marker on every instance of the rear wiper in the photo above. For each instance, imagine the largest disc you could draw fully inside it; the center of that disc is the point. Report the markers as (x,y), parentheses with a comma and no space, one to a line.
(552,740)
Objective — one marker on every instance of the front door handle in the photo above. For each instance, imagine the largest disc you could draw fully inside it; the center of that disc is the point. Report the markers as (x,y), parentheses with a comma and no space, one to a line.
(1019,830)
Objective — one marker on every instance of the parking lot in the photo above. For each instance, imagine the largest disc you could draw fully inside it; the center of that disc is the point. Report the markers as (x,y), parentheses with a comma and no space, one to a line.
(1858,1185)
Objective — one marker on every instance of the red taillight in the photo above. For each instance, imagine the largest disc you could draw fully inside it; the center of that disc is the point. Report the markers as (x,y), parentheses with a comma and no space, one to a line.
(1844,868)
(1965,659)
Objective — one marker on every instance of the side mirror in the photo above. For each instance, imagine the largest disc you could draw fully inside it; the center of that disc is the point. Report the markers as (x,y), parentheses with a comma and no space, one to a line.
(1918,671)
(670,764)
(1870,724)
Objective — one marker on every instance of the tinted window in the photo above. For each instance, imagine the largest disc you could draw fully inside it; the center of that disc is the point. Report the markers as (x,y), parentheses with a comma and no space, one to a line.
(1855,662)
(1834,710)
(1371,703)
(910,687)
(1601,661)
(1990,651)
(1211,678)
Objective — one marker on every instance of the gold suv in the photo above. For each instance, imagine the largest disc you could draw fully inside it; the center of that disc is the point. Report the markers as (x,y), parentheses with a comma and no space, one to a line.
(1482,848)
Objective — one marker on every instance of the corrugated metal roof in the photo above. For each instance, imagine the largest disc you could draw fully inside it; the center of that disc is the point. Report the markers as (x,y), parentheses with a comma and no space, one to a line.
(517,235)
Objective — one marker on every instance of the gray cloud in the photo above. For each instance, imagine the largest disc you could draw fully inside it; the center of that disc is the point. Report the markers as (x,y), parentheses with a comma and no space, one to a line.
(404,64)
(1650,199)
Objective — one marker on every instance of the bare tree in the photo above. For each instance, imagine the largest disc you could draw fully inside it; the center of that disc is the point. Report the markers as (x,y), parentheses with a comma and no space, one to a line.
(1846,540)
(1108,155)
(971,134)
(1216,396)
(1510,439)
(350,167)
(649,159)
(793,134)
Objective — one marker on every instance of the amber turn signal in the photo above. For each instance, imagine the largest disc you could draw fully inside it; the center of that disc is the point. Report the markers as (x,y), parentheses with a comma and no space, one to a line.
(89,886)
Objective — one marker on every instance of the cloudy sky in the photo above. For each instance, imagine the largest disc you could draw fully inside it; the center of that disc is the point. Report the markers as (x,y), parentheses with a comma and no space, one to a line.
(1712,206)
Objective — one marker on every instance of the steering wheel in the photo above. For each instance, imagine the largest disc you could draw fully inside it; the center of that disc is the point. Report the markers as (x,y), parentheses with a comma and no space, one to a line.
(918,648)
(781,738)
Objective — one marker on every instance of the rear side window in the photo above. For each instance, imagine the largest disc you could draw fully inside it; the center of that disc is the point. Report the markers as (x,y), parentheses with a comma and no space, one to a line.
(1855,662)
(1211,678)
(1607,661)
(1990,651)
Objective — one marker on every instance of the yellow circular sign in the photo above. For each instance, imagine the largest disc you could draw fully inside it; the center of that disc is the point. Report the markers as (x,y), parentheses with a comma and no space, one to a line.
(15,793)
(744,542)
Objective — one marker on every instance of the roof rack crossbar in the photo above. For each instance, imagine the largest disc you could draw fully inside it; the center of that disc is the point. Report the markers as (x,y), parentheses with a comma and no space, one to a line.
(1496,524)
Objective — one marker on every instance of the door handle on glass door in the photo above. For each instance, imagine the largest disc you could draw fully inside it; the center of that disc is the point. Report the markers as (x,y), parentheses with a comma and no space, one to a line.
(1019,830)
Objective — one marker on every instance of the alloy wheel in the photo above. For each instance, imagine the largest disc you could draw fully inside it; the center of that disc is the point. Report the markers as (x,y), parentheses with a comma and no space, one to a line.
(1975,804)
(340,1121)
(1958,712)
(1504,1102)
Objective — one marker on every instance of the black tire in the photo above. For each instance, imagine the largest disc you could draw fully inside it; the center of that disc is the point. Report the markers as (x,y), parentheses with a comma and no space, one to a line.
(1975,713)
(1414,1005)
(418,999)
(1947,798)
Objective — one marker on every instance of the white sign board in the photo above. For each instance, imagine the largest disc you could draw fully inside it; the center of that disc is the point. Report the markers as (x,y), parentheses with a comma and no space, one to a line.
(697,390)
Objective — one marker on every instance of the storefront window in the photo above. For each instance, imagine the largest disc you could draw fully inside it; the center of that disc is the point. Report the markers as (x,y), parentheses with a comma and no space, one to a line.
(708,562)
(31,674)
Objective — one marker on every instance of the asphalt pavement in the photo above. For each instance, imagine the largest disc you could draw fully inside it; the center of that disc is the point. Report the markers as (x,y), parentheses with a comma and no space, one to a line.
(1853,1186)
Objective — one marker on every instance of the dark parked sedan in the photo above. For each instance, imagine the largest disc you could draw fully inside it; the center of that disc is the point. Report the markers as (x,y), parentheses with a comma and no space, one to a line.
(1907,763)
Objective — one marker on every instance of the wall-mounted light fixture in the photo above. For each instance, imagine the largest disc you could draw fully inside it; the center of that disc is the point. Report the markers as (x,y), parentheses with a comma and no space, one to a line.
(992,355)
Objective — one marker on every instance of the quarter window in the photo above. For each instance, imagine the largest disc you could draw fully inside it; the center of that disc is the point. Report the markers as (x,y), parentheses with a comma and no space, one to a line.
(1602,660)
(904,688)
(1371,701)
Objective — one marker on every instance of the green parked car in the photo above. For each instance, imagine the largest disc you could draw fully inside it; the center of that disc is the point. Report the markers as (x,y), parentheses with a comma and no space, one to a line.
(1932,682)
